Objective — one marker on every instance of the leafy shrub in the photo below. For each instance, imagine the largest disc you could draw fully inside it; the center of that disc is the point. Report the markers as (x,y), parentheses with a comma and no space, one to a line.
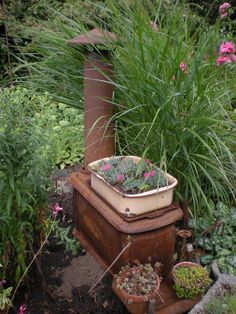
(24,176)
(29,148)
(64,131)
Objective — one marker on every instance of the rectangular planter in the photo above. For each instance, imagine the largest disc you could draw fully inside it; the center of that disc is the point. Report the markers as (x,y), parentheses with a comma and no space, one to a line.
(132,204)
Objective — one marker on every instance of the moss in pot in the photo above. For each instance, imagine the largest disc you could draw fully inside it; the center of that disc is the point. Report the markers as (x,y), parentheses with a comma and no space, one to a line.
(190,279)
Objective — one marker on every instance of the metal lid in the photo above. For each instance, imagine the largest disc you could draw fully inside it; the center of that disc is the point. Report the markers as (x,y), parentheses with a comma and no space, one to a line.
(94,37)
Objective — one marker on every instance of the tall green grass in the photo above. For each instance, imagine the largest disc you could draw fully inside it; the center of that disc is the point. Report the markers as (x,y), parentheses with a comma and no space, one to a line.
(180,120)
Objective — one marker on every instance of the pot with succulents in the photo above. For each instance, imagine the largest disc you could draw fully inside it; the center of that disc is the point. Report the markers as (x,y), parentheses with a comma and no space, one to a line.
(190,280)
(132,185)
(136,286)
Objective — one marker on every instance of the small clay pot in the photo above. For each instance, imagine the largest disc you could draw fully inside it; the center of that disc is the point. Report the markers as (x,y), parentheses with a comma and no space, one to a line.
(135,304)
(183,284)
(183,264)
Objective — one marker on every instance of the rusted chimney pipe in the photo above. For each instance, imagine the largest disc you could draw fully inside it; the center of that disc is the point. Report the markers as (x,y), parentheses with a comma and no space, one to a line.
(99,140)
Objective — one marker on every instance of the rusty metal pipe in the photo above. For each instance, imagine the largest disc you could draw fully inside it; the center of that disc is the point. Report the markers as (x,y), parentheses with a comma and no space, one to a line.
(99,138)
(98,91)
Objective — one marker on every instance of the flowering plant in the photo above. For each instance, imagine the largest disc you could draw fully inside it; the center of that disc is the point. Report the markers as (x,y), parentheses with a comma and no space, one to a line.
(224,10)
(226,53)
(130,177)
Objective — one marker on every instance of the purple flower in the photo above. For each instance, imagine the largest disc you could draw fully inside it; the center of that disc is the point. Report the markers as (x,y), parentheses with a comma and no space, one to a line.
(22,309)
(227,48)
(120,177)
(223,59)
(106,167)
(56,209)
(183,67)
(233,57)
(152,173)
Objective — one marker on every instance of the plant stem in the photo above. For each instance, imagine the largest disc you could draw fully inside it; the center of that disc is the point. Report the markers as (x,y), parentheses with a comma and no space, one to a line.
(109,267)
(7,43)
(30,264)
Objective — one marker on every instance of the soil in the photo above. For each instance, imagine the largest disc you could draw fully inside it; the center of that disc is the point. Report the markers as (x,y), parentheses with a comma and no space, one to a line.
(67,278)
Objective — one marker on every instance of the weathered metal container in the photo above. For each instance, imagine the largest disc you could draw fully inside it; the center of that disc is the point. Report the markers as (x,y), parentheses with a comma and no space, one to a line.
(131,204)
(104,233)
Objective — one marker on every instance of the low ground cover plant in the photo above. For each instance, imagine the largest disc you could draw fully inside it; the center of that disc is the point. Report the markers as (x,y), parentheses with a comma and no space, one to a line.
(216,237)
(224,304)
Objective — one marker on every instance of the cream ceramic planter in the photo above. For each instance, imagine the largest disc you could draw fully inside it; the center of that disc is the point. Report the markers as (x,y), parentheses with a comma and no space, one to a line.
(132,204)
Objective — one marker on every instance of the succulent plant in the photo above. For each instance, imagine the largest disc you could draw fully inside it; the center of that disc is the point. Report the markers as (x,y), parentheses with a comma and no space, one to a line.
(131,178)
(190,280)
(140,280)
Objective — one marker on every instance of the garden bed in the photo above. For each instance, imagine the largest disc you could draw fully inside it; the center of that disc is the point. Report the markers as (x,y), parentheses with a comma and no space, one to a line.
(67,278)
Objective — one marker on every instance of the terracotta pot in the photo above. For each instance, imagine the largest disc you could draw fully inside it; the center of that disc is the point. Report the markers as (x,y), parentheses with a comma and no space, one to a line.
(199,284)
(132,204)
(135,304)
(182,264)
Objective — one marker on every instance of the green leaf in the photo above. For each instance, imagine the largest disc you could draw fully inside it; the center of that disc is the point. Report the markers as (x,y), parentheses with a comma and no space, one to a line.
(231,260)
(12,183)
(206,259)
(205,243)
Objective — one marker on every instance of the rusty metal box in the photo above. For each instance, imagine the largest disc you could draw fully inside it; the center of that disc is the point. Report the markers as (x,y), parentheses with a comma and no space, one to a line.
(104,233)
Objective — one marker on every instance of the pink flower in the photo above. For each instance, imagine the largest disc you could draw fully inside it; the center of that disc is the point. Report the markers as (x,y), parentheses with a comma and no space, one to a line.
(106,167)
(152,173)
(120,177)
(223,9)
(227,48)
(154,26)
(145,174)
(147,161)
(183,67)
(22,309)
(233,58)
(223,59)
(56,209)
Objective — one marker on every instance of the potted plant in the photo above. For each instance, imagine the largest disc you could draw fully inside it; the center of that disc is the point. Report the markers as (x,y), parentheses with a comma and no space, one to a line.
(131,184)
(190,279)
(135,286)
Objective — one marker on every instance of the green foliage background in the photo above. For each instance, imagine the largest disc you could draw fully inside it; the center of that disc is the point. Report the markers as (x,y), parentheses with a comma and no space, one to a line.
(35,135)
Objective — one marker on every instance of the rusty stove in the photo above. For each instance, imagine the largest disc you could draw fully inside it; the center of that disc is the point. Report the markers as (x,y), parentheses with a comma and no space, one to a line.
(102,231)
